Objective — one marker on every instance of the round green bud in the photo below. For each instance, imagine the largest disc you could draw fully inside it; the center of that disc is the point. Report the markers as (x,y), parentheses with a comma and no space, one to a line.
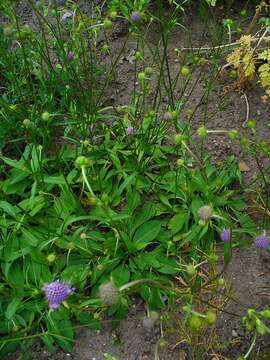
(210,317)
(141,76)
(233,134)
(195,322)
(71,245)
(178,138)
(46,116)
(82,161)
(244,141)
(162,342)
(185,71)
(202,132)
(138,55)
(113,15)
(221,281)
(107,24)
(148,70)
(180,162)
(27,123)
(233,73)
(251,124)
(239,30)
(227,22)
(92,200)
(83,236)
(51,258)
(243,13)
(191,270)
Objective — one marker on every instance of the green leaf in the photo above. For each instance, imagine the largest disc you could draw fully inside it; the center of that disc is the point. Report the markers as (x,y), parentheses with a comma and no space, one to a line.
(177,222)
(120,275)
(9,209)
(12,308)
(146,233)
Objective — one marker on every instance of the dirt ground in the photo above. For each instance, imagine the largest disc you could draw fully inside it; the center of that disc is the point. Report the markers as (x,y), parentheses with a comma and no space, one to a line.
(249,270)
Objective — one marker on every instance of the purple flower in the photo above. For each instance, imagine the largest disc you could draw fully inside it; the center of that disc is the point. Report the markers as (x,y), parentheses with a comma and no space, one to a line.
(225,235)
(70,56)
(136,16)
(261,242)
(130,130)
(66,16)
(56,292)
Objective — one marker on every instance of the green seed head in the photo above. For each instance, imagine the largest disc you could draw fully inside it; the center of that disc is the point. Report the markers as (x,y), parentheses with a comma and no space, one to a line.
(191,270)
(82,161)
(107,24)
(233,134)
(178,138)
(45,116)
(185,71)
(195,322)
(202,132)
(210,317)
(27,123)
(141,76)
(113,15)
(251,124)
(148,70)
(51,258)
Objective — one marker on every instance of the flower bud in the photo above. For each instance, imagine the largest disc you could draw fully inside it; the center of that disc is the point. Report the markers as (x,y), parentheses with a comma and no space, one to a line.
(109,294)
(141,76)
(113,15)
(191,270)
(202,132)
(82,161)
(168,116)
(185,71)
(107,24)
(51,258)
(27,123)
(210,317)
(46,116)
(233,134)
(195,322)
(205,212)
(148,70)
(178,139)
(136,17)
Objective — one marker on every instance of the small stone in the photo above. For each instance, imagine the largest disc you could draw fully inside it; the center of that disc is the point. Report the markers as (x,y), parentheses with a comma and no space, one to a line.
(234,333)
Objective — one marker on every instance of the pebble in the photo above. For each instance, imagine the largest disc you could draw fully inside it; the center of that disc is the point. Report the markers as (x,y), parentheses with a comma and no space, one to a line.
(234,333)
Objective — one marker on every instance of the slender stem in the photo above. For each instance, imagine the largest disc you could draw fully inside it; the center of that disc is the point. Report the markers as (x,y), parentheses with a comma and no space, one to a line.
(86,181)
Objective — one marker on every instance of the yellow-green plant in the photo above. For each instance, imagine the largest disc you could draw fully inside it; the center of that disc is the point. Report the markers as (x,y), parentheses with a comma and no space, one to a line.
(250,60)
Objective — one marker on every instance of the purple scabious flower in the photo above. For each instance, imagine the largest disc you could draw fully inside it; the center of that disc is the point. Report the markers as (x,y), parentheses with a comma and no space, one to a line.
(261,242)
(70,56)
(225,235)
(66,16)
(136,16)
(56,292)
(130,130)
